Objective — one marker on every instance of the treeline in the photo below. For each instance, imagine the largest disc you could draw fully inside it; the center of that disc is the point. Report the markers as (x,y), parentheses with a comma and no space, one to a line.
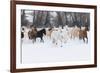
(55,18)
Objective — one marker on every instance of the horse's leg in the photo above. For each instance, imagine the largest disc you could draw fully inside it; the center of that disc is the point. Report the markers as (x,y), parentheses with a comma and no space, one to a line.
(53,41)
(33,41)
(80,37)
(71,36)
(84,39)
(65,40)
(87,39)
(50,36)
(61,42)
(22,40)
(42,39)
(29,37)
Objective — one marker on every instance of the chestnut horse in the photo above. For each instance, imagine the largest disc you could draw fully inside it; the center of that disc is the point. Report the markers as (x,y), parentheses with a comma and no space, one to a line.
(83,34)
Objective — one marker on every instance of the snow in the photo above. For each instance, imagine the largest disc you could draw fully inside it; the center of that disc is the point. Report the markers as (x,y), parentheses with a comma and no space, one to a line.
(40,52)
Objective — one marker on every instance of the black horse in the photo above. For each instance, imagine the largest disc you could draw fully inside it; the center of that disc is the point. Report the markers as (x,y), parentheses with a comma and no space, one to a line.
(40,34)
(22,34)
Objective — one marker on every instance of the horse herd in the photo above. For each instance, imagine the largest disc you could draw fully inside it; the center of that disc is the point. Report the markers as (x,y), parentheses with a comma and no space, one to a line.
(55,34)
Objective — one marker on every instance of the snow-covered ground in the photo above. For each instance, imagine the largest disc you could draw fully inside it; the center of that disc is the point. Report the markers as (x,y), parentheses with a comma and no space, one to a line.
(73,50)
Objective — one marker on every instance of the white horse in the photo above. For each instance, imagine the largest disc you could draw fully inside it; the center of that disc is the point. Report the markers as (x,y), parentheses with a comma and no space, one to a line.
(59,35)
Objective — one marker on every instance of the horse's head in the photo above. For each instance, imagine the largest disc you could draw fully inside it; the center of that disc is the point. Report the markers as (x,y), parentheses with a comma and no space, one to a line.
(44,31)
(86,29)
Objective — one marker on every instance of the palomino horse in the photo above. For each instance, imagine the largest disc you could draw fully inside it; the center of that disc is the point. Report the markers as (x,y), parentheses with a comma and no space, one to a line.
(49,32)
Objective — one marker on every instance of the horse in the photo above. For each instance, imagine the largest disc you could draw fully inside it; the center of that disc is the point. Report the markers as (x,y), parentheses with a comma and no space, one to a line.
(83,34)
(40,34)
(29,35)
(75,32)
(34,33)
(59,35)
(49,32)
(22,34)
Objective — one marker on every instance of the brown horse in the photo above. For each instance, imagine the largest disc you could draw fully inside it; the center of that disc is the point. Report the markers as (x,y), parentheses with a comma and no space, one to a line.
(83,34)
(32,33)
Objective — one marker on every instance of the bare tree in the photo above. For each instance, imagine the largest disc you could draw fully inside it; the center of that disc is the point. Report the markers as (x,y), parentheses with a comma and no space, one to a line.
(59,19)
(24,21)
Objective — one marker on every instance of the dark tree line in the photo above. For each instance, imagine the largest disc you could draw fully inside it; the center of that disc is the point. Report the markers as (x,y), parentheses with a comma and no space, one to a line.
(54,18)
(24,22)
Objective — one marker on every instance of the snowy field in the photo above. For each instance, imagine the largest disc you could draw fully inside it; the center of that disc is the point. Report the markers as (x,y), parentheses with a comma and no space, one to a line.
(39,52)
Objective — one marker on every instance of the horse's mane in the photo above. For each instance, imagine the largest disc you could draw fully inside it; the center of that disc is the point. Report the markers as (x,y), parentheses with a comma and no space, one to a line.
(42,30)
(50,29)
